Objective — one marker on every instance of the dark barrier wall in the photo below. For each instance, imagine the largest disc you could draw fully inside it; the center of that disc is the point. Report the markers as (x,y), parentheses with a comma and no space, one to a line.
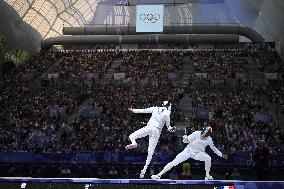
(126,158)
(194,29)
(140,39)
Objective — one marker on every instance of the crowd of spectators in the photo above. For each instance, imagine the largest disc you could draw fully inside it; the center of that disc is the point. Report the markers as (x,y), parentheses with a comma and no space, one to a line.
(136,64)
(34,119)
(163,63)
(77,64)
(219,64)
(234,118)
(276,95)
(30,117)
(40,63)
(267,60)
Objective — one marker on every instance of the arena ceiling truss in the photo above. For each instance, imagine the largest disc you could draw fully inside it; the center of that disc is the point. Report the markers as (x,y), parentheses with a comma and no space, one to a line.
(48,17)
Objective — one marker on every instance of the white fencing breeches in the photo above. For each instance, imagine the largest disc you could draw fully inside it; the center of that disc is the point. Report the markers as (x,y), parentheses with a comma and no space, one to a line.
(154,135)
(186,154)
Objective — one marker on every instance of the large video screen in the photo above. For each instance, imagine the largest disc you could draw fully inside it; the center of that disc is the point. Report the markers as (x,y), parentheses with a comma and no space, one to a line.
(149,18)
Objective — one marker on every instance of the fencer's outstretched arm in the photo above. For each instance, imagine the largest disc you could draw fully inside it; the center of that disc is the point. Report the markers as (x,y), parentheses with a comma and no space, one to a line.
(146,110)
(215,150)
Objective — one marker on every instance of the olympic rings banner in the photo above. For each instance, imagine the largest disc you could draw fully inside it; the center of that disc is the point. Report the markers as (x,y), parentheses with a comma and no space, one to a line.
(149,18)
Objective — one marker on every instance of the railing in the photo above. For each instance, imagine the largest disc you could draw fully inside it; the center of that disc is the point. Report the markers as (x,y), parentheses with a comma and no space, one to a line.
(170,24)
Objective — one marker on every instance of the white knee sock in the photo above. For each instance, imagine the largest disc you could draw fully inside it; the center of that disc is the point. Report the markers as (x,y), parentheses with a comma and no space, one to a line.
(207,167)
(148,160)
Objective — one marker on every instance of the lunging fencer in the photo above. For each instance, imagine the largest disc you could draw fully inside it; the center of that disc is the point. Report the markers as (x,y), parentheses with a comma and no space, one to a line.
(160,117)
(197,141)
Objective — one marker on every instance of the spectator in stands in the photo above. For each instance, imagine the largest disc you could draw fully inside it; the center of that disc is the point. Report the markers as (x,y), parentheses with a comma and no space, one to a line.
(157,63)
(235,174)
(267,60)
(234,115)
(219,64)
(113,171)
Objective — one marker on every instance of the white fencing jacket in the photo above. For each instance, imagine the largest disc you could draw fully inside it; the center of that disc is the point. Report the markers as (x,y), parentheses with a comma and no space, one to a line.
(160,116)
(197,144)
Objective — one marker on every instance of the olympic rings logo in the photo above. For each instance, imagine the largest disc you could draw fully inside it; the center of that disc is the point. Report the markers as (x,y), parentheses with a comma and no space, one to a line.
(150,18)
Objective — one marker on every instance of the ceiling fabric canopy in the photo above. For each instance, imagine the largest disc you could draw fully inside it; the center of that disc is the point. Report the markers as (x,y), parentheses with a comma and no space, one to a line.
(49,16)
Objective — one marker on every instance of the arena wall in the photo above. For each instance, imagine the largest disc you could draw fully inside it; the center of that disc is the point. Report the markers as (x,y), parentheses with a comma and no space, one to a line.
(265,16)
(18,34)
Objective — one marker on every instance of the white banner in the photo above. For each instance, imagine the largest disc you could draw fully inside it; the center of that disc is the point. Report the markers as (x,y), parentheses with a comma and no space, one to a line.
(201,75)
(271,76)
(52,75)
(118,76)
(149,18)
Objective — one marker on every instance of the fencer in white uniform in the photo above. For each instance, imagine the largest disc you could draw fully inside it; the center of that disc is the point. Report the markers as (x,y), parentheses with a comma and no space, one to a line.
(160,117)
(198,140)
